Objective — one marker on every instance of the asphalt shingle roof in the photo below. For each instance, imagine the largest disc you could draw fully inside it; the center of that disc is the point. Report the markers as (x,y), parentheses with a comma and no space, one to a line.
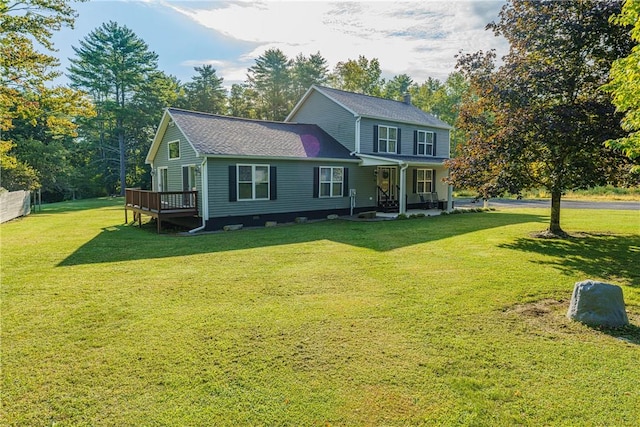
(380,108)
(212,134)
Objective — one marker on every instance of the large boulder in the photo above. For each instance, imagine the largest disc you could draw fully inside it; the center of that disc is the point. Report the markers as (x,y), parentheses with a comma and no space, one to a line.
(598,304)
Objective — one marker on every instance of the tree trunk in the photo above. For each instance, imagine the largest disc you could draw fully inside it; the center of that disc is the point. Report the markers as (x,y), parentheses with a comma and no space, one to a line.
(120,125)
(554,225)
(123,170)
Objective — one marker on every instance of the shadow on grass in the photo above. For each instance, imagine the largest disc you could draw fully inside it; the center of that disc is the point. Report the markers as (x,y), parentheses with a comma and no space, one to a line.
(128,243)
(606,256)
(629,333)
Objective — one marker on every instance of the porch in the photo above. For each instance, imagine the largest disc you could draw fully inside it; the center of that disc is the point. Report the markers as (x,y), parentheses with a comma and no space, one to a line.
(159,205)
(393,194)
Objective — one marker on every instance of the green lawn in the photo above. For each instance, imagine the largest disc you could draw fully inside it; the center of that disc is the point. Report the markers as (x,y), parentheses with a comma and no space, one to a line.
(453,320)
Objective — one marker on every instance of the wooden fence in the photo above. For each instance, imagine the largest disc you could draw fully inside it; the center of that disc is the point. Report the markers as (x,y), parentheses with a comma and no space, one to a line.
(14,204)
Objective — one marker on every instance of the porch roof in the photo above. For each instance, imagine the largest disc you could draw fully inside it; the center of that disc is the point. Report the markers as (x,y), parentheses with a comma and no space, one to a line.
(394,159)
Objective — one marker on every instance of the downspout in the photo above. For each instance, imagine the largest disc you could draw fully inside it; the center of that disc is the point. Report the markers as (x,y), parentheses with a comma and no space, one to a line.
(357,142)
(403,187)
(205,196)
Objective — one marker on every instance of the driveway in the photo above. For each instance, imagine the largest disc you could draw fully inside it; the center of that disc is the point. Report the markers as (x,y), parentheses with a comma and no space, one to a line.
(546,203)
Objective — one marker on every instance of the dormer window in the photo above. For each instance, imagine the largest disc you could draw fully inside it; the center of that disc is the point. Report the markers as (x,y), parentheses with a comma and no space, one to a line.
(387,139)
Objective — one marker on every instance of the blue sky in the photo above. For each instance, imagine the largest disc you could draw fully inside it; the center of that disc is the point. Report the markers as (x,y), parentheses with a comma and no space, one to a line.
(420,39)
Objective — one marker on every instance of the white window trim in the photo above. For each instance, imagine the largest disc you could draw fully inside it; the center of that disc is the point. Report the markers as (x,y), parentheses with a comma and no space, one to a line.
(253,182)
(425,181)
(331,182)
(387,139)
(425,143)
(177,141)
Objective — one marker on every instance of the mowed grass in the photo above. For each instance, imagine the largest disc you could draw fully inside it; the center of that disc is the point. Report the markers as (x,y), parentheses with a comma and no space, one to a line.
(453,320)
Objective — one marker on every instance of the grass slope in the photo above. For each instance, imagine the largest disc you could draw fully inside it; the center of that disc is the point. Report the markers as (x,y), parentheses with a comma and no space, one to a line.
(453,320)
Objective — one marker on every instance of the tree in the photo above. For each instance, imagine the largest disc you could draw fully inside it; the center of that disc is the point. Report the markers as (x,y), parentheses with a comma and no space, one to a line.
(27,104)
(423,95)
(361,76)
(205,91)
(624,84)
(22,66)
(397,87)
(270,78)
(45,142)
(306,72)
(547,118)
(113,65)
(242,101)
(481,163)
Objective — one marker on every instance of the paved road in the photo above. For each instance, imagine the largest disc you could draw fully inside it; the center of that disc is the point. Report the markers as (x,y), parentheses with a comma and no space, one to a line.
(546,203)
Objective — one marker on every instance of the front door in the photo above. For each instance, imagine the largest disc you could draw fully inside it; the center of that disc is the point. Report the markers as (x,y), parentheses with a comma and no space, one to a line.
(387,184)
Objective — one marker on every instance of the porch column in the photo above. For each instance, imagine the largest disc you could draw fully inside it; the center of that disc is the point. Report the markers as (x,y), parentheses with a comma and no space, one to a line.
(403,189)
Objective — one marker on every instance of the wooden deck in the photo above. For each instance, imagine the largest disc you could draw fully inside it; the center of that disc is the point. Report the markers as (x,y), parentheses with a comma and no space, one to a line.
(159,205)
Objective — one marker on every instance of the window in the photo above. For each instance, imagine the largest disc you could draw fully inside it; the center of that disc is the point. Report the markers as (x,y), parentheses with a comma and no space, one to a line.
(163,179)
(424,142)
(387,139)
(174,150)
(189,178)
(331,181)
(424,181)
(253,182)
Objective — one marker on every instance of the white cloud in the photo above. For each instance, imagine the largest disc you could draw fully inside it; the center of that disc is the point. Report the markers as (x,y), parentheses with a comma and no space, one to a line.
(419,39)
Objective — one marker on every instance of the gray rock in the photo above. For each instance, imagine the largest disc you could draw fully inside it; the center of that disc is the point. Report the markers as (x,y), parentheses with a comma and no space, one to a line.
(598,304)
(301,219)
(232,227)
(270,224)
(332,216)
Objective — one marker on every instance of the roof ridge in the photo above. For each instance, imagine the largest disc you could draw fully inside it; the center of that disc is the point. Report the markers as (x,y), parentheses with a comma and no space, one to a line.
(223,116)
(364,94)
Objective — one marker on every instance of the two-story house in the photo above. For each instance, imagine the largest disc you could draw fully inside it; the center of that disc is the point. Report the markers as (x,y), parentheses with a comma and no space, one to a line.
(336,153)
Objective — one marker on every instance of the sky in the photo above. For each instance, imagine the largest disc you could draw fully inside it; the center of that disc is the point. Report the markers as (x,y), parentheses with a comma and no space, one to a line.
(420,39)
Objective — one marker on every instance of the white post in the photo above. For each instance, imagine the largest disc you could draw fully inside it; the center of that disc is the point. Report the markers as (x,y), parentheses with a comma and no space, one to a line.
(403,188)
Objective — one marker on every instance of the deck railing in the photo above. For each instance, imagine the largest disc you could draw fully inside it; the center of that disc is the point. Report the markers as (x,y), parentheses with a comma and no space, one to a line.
(159,202)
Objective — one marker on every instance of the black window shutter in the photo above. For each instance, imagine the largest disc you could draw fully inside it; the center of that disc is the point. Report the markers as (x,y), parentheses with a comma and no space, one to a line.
(415,180)
(375,138)
(273,183)
(415,142)
(345,182)
(316,182)
(433,152)
(233,193)
(433,181)
(399,143)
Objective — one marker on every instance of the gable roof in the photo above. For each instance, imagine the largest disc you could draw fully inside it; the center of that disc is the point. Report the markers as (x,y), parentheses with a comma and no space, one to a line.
(215,135)
(375,108)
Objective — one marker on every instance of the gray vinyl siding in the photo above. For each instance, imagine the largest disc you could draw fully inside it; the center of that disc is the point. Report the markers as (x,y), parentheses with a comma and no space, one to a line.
(331,117)
(174,166)
(406,132)
(295,190)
